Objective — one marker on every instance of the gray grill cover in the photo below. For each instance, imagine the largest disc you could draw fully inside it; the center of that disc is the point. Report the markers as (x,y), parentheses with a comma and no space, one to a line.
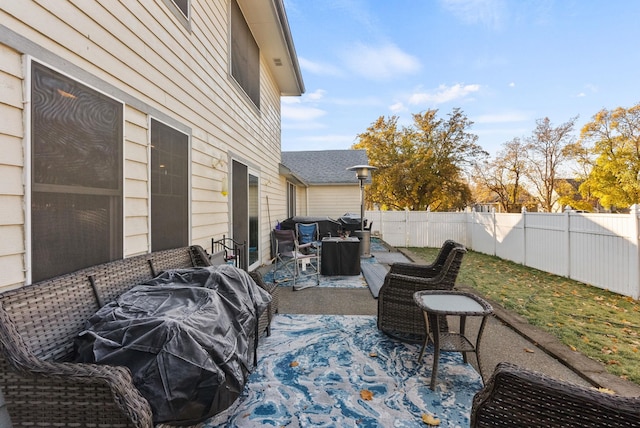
(186,336)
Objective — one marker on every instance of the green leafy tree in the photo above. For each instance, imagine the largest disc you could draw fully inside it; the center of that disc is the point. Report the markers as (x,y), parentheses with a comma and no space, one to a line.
(421,166)
(613,140)
(569,195)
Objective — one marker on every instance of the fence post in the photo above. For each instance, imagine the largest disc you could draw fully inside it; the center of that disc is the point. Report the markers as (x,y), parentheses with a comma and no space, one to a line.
(406,228)
(567,229)
(495,231)
(523,214)
(634,254)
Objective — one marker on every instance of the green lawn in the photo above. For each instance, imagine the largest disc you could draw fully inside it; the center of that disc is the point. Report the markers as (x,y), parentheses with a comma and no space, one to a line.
(599,324)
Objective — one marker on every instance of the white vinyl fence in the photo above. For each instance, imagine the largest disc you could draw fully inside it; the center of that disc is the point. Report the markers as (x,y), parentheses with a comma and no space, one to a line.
(597,249)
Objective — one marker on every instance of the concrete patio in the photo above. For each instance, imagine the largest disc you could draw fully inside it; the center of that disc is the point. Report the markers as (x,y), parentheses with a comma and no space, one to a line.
(507,337)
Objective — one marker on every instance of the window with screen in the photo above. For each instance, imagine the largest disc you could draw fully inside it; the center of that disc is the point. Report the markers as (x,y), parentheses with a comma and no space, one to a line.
(245,55)
(76,180)
(169,187)
(181,9)
(183,6)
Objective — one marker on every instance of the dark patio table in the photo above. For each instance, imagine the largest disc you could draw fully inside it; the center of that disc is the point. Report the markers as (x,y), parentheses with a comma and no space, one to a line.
(457,303)
(340,256)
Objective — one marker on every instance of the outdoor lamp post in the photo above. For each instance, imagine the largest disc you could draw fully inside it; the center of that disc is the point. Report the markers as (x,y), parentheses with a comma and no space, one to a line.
(362,173)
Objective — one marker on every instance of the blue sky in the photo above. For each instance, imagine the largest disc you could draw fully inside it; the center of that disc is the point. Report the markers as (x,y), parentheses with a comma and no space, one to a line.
(505,63)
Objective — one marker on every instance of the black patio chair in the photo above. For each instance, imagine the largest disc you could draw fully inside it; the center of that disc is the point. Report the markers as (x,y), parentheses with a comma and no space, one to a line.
(292,262)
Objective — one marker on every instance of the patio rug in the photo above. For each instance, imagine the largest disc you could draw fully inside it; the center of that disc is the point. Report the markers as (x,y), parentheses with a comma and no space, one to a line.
(317,370)
(339,281)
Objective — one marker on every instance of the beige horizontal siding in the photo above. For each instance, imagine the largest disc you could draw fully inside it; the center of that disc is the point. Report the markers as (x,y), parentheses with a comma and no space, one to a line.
(139,53)
(12,215)
(136,184)
(334,201)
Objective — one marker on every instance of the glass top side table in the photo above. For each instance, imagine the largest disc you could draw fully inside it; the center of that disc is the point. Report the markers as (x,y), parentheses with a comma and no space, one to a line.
(450,303)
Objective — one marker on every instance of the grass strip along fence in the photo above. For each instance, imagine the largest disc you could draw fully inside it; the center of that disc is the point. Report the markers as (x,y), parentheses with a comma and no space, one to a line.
(597,323)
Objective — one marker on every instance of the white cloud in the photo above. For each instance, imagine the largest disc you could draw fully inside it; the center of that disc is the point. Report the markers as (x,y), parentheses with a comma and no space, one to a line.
(490,13)
(319,68)
(318,94)
(299,112)
(380,62)
(444,94)
(590,89)
(319,142)
(397,107)
(290,100)
(512,84)
(501,117)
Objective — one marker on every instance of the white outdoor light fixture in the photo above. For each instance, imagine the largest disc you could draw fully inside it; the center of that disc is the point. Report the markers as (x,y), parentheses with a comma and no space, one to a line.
(362,173)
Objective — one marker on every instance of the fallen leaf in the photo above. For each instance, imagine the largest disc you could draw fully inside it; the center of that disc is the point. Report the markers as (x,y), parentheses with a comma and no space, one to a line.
(531,351)
(373,354)
(294,364)
(365,394)
(606,391)
(430,420)
(573,348)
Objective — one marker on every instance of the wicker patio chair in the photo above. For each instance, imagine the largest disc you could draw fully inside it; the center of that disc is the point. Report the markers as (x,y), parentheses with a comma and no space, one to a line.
(264,322)
(427,270)
(518,397)
(398,315)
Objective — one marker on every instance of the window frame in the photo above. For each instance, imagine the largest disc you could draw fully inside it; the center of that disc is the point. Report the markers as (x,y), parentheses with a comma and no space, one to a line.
(177,11)
(244,55)
(187,178)
(74,192)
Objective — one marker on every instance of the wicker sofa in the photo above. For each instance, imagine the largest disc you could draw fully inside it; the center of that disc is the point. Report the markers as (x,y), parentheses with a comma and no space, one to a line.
(517,397)
(38,326)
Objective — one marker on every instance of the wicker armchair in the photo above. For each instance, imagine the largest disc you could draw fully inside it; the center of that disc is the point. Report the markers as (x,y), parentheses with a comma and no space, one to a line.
(430,270)
(517,397)
(398,315)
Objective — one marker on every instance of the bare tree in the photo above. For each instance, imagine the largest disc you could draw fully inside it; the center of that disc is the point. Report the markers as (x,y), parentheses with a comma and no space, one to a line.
(546,150)
(503,175)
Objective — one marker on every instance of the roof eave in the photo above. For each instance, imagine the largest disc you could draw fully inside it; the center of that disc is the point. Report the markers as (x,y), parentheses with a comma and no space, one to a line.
(269,25)
(291,176)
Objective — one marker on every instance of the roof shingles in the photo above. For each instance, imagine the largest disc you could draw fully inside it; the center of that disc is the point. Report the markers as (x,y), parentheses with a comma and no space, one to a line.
(325,166)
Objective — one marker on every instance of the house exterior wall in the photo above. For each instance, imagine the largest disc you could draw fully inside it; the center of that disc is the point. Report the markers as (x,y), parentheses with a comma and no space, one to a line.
(333,201)
(302,208)
(142,55)
(12,244)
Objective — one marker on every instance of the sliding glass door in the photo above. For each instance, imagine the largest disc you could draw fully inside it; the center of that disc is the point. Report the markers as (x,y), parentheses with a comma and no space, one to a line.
(245,206)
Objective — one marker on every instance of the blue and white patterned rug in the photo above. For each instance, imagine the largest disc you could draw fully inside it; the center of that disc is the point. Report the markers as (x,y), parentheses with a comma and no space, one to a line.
(380,254)
(312,370)
(338,281)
